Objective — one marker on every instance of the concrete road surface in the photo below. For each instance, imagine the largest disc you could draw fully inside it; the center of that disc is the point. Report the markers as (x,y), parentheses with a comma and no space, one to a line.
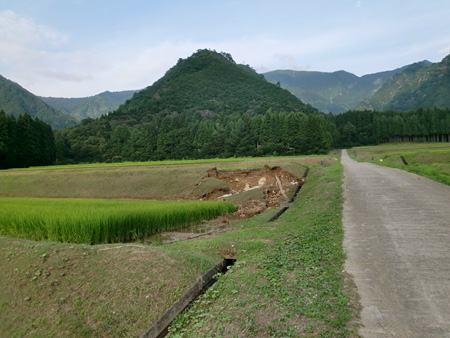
(397,240)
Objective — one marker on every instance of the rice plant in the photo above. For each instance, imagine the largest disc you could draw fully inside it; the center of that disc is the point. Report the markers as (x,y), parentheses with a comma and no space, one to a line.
(94,221)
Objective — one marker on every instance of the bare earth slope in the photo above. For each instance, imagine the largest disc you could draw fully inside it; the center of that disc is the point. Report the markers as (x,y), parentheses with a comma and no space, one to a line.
(397,240)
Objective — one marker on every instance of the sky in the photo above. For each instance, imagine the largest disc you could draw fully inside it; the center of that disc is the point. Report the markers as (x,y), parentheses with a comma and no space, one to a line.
(78,48)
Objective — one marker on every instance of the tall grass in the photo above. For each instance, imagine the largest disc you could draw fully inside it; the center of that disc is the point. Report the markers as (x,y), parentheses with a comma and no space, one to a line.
(94,221)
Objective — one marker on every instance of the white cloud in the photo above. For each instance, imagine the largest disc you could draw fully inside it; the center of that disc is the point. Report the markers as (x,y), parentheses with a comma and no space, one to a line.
(20,33)
(445,50)
(358,4)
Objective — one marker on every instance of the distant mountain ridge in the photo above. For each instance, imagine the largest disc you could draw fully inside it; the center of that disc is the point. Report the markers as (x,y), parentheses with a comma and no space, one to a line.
(92,106)
(190,86)
(334,92)
(16,100)
(420,85)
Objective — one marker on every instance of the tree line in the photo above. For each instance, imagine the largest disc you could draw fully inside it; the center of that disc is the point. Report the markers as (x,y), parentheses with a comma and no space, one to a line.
(193,136)
(355,128)
(25,142)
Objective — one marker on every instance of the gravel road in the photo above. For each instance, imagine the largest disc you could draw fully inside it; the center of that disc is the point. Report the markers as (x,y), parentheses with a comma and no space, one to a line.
(397,240)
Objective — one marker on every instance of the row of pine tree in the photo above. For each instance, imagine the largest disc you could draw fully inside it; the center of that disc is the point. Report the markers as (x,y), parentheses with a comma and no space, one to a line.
(26,142)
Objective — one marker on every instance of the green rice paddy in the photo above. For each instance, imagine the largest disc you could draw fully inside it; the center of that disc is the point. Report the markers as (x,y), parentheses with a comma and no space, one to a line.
(94,221)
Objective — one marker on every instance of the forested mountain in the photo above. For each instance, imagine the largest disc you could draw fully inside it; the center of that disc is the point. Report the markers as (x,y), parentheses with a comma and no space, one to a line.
(211,83)
(16,100)
(93,106)
(205,106)
(421,85)
(334,92)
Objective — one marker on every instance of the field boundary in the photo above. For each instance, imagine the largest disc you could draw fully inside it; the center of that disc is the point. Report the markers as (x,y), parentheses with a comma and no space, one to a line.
(160,328)
(284,209)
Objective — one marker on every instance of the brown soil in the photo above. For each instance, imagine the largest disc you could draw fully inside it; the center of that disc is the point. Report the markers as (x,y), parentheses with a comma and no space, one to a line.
(244,180)
(239,182)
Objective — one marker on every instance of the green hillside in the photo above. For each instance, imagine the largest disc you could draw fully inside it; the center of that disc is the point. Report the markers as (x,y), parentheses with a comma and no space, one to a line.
(93,106)
(210,83)
(16,100)
(421,85)
(334,92)
(205,106)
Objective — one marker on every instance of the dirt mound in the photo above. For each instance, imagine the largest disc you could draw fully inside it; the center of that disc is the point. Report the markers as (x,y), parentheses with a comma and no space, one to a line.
(239,182)
(273,180)
(243,180)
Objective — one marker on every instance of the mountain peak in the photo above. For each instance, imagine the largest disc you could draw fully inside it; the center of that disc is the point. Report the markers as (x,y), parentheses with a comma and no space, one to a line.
(211,81)
(16,100)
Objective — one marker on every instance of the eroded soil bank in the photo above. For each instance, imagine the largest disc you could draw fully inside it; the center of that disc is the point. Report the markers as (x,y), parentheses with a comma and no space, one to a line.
(252,191)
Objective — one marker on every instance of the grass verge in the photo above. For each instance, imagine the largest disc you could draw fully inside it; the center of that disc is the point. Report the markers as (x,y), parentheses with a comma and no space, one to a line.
(72,290)
(288,280)
(430,160)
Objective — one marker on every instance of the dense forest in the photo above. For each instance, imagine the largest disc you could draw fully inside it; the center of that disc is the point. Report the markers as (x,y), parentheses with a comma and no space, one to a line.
(355,128)
(25,142)
(195,136)
(275,133)
(204,106)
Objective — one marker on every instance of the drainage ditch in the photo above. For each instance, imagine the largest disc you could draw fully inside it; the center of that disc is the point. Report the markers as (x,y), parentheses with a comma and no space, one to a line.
(283,210)
(160,328)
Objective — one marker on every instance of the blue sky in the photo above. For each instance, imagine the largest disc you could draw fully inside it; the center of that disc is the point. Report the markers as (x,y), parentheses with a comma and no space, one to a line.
(75,48)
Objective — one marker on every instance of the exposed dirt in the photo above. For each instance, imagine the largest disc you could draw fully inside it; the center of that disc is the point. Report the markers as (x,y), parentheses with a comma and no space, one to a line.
(240,184)
(240,181)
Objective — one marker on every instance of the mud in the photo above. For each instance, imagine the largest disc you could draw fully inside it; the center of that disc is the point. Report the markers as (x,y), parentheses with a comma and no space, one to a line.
(245,180)
(239,182)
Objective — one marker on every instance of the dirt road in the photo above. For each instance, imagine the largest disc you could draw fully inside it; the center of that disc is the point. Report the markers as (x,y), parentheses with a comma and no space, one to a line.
(397,240)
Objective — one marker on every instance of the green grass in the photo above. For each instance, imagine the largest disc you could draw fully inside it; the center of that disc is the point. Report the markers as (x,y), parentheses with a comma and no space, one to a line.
(157,163)
(430,160)
(99,221)
(288,280)
(171,182)
(73,290)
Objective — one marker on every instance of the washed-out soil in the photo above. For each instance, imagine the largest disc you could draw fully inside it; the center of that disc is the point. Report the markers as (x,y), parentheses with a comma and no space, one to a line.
(239,182)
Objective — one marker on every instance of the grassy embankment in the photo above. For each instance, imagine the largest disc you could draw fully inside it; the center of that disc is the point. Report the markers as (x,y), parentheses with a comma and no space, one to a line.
(133,181)
(287,280)
(431,160)
(215,161)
